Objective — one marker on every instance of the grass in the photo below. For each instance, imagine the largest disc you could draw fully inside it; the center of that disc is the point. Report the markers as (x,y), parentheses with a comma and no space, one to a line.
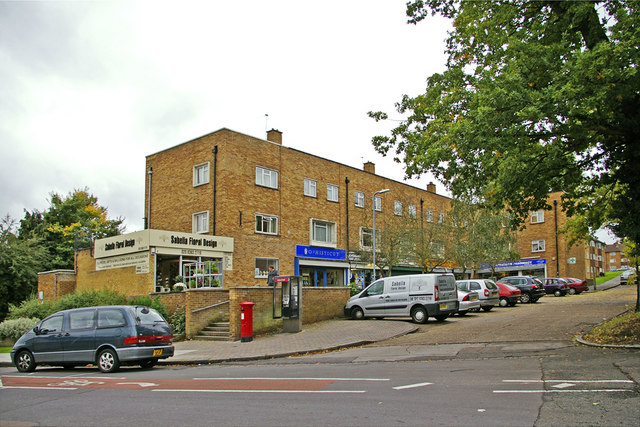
(607,276)
(622,330)
(5,349)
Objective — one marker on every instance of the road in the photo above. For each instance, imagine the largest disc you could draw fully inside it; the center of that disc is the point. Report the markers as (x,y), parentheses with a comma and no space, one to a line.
(457,372)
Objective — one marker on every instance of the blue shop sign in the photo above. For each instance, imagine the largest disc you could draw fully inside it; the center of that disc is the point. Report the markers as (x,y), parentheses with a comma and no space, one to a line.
(322,253)
(524,263)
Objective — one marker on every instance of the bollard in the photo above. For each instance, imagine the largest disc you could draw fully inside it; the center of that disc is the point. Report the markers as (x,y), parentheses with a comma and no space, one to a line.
(246,321)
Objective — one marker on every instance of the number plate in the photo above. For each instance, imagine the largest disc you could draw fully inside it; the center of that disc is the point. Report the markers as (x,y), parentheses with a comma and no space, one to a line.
(443,306)
(475,297)
(157,352)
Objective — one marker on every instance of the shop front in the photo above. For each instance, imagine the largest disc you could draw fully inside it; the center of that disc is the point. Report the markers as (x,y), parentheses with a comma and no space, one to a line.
(527,267)
(170,257)
(321,266)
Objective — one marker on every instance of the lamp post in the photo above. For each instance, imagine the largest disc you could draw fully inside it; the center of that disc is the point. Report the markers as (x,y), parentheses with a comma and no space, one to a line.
(373,207)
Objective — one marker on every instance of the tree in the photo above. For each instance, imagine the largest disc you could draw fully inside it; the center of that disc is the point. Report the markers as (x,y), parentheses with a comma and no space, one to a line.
(20,262)
(537,97)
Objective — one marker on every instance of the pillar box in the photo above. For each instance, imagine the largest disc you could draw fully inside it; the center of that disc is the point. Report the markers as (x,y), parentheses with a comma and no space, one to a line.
(246,321)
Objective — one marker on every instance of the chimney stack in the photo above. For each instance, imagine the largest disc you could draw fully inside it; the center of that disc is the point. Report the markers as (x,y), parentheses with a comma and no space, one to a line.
(370,167)
(274,135)
(431,187)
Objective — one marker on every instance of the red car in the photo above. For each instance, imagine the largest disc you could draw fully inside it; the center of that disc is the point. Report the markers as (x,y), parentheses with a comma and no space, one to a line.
(576,285)
(509,295)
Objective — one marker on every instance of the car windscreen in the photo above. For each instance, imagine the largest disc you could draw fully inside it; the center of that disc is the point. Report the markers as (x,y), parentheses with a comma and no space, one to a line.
(463,286)
(490,284)
(148,316)
(537,281)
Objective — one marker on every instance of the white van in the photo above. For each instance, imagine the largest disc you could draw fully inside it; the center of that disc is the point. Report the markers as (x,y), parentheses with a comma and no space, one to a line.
(417,295)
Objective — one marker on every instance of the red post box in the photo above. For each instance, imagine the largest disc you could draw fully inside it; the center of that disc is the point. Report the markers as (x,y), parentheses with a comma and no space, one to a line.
(246,321)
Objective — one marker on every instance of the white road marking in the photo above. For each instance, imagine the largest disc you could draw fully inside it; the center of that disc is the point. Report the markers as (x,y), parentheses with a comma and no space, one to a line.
(402,387)
(563,385)
(140,384)
(294,378)
(562,391)
(260,391)
(571,381)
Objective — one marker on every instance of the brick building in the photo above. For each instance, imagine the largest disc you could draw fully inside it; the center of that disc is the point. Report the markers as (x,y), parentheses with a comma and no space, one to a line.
(615,259)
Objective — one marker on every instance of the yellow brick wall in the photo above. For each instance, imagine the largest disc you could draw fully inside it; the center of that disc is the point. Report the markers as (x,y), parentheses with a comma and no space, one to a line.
(196,314)
(121,280)
(56,284)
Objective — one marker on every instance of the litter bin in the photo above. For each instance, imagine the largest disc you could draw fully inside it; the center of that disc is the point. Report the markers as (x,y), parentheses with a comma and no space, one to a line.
(246,321)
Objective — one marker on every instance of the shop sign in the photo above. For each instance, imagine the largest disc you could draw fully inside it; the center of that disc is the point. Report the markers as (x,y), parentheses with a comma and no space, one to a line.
(571,260)
(321,253)
(522,263)
(139,260)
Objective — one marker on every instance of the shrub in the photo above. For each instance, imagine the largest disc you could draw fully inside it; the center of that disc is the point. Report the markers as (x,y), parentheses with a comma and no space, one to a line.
(40,309)
(15,328)
(155,303)
(177,322)
(31,308)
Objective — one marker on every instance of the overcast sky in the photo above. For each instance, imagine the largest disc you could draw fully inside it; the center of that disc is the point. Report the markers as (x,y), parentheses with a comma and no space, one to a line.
(90,88)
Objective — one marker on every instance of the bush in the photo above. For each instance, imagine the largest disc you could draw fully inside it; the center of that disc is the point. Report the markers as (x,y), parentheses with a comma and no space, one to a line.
(355,289)
(177,322)
(155,303)
(31,308)
(15,328)
(36,308)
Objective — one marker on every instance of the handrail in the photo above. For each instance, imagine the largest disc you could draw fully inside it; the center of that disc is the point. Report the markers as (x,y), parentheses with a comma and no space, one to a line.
(210,306)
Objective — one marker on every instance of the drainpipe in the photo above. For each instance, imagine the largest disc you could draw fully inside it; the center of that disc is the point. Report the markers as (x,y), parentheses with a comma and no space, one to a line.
(215,187)
(149,200)
(346,182)
(555,217)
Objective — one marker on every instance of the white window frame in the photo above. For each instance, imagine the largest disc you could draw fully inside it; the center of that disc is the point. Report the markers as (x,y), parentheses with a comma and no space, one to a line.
(377,200)
(266,177)
(538,245)
(413,211)
(440,217)
(397,208)
(271,221)
(364,232)
(429,213)
(200,177)
(330,231)
(359,199)
(259,273)
(537,217)
(200,222)
(310,187)
(332,192)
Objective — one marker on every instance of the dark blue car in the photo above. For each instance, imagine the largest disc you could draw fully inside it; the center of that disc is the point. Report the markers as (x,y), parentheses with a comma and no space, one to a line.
(107,336)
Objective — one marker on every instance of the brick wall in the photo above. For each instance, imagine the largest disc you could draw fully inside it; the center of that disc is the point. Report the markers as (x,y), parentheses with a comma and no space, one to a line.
(121,280)
(197,315)
(57,283)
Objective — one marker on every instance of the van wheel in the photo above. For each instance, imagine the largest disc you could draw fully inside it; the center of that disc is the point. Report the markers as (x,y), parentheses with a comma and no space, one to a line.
(419,315)
(487,307)
(525,298)
(357,313)
(25,362)
(148,364)
(108,361)
(503,302)
(462,313)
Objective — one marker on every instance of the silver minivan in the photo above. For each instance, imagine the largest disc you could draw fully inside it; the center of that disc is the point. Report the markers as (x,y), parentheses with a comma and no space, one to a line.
(418,296)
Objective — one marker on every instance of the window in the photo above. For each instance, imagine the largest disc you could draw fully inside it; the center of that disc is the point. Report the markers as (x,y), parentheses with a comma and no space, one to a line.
(429,215)
(201,174)
(397,208)
(266,177)
(537,217)
(262,266)
(412,211)
(441,218)
(537,245)
(366,237)
(81,319)
(267,224)
(110,317)
(378,203)
(323,233)
(359,198)
(332,193)
(310,186)
(200,222)
(52,324)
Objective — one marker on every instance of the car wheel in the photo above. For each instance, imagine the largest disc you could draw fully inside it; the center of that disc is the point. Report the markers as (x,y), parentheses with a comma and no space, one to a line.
(572,291)
(419,315)
(503,302)
(487,307)
(513,303)
(463,313)
(441,317)
(357,313)
(67,366)
(108,361)
(534,300)
(25,362)
(525,298)
(379,318)
(557,293)
(149,363)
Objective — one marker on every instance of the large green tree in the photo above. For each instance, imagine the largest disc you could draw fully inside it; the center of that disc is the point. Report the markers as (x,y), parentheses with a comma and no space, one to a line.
(538,96)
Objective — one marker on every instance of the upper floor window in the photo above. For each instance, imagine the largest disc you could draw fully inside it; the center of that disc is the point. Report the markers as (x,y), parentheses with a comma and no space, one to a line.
(397,208)
(310,187)
(537,217)
(537,245)
(266,177)
(366,238)
(429,215)
(266,224)
(359,199)
(332,193)
(200,222)
(412,211)
(441,218)
(377,200)
(201,174)
(323,233)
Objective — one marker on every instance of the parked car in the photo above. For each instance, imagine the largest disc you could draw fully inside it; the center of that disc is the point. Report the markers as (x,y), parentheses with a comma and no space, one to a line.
(556,286)
(108,336)
(487,291)
(624,277)
(531,287)
(509,295)
(468,301)
(576,286)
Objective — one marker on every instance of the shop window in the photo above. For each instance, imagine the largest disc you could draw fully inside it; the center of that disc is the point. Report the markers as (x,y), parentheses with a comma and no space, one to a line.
(366,238)
(310,187)
(359,199)
(377,201)
(203,274)
(397,208)
(537,246)
(429,215)
(262,266)
(537,217)
(266,224)
(200,222)
(266,177)
(332,193)
(323,233)
(201,174)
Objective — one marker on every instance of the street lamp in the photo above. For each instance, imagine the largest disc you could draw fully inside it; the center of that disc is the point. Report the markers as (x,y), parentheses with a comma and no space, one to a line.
(373,207)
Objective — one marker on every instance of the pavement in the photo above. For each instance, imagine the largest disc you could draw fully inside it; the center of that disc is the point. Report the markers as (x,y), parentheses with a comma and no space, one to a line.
(320,337)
